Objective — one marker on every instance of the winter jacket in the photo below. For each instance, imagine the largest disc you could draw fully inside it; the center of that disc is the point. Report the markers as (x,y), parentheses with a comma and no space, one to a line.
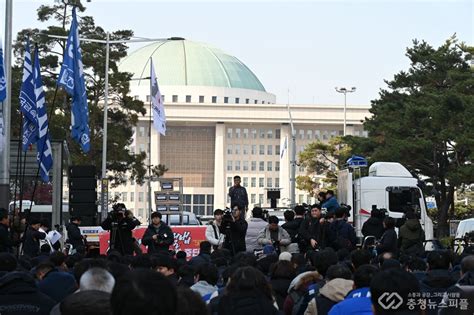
(6,243)
(75,237)
(164,240)
(293,228)
(255,226)
(203,288)
(57,285)
(388,242)
(201,259)
(357,302)
(19,295)
(280,288)
(342,235)
(435,284)
(411,237)
(264,238)
(331,204)
(373,227)
(124,241)
(235,241)
(31,245)
(299,288)
(238,196)
(464,289)
(331,293)
(246,303)
(311,228)
(214,236)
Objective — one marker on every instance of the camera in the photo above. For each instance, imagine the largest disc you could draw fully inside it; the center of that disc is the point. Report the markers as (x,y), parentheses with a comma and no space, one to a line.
(227,219)
(347,209)
(118,212)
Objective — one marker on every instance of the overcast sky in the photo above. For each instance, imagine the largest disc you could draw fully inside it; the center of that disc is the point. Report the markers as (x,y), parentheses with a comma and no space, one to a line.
(308,47)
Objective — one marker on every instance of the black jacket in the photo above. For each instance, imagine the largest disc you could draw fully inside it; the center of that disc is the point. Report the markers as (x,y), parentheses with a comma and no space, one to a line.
(463,289)
(436,283)
(311,228)
(342,235)
(6,242)
(164,240)
(74,236)
(20,296)
(293,228)
(373,227)
(238,196)
(250,302)
(31,245)
(123,234)
(280,288)
(235,236)
(388,242)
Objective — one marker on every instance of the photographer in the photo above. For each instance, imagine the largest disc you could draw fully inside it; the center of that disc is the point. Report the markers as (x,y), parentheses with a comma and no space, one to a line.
(75,238)
(234,227)
(272,234)
(120,227)
(314,230)
(158,236)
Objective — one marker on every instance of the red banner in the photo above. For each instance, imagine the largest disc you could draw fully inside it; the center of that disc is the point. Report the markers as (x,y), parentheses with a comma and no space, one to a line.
(186,238)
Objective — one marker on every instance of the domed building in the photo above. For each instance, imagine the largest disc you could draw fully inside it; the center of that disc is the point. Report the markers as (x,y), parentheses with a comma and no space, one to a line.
(221,122)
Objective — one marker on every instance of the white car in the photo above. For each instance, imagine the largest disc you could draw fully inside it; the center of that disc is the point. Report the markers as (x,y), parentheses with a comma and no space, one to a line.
(464,227)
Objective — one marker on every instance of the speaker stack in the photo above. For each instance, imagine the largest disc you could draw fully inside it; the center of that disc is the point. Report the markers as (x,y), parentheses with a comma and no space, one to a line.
(83,194)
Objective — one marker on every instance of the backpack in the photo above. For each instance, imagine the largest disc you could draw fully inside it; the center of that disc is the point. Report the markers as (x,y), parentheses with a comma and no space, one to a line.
(340,241)
(300,305)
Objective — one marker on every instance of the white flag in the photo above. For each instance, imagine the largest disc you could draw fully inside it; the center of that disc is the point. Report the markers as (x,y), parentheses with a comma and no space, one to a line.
(284,147)
(159,117)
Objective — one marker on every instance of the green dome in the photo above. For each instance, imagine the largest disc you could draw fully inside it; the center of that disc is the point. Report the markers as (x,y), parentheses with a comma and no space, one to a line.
(186,63)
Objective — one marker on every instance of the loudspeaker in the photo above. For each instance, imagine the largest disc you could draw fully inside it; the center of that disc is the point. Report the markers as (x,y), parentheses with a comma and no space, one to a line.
(89,183)
(82,196)
(273,194)
(89,221)
(81,171)
(83,209)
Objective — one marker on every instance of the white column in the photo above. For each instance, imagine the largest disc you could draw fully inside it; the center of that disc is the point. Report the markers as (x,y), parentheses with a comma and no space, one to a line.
(155,160)
(220,192)
(285,131)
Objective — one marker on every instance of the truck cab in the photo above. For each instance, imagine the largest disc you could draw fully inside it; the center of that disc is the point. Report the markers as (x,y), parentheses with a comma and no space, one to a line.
(388,186)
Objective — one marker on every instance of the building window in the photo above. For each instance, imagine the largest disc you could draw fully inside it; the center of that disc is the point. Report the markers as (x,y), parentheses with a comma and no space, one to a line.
(269,182)
(141,196)
(317,134)
(247,101)
(277,149)
(309,134)
(269,166)
(300,199)
(277,182)
(325,135)
(237,148)
(148,98)
(229,149)
(269,149)
(261,182)
(201,98)
(277,165)
(237,100)
(277,133)
(261,149)
(301,134)
(253,198)
(141,131)
(237,165)
(229,133)
(262,133)
(261,166)
(136,97)
(253,166)
(270,134)
(124,196)
(245,182)
(175,98)
(260,199)
(229,181)
(188,98)
(253,132)
(263,102)
(245,150)
(214,99)
(237,133)
(253,182)
(141,212)
(246,133)
(255,102)
(245,166)
(254,149)
(229,165)
(141,147)
(226,99)
(132,196)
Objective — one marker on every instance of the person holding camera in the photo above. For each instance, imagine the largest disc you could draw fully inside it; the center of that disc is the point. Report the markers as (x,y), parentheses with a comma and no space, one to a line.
(213,233)
(120,227)
(314,230)
(274,235)
(158,236)
(234,227)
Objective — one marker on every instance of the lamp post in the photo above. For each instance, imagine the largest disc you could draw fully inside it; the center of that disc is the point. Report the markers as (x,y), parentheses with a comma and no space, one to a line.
(292,157)
(345,91)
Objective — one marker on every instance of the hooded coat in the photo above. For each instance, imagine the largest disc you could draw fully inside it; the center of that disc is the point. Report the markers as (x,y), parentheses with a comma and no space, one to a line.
(373,227)
(465,288)
(411,237)
(330,294)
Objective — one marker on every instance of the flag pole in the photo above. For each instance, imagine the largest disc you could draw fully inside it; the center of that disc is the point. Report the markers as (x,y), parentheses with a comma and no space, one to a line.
(150,200)
(104,182)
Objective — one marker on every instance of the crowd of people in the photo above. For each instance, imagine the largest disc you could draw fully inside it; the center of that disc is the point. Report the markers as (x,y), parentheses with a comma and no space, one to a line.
(310,264)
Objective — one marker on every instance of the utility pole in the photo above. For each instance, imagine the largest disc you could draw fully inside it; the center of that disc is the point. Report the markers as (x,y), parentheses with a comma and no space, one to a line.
(292,157)
(345,91)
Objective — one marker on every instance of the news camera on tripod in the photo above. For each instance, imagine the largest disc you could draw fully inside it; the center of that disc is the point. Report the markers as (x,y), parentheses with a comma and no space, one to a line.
(234,227)
(120,226)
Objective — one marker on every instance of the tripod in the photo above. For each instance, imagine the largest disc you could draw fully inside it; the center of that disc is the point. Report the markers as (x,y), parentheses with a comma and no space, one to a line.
(113,238)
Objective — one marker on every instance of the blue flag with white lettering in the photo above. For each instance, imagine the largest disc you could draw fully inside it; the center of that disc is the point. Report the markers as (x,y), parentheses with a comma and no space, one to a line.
(71,77)
(28,102)
(3,81)
(45,154)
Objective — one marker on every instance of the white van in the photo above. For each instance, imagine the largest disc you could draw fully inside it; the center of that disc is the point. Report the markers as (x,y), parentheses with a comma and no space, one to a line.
(464,227)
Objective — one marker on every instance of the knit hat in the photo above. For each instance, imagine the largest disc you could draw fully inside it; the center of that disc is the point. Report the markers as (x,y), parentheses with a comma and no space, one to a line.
(285,256)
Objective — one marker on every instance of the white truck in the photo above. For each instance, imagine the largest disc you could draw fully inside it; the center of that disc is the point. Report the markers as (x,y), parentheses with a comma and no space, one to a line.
(388,186)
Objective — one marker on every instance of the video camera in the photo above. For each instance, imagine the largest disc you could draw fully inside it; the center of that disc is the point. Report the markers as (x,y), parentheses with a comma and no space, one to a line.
(227,218)
(118,212)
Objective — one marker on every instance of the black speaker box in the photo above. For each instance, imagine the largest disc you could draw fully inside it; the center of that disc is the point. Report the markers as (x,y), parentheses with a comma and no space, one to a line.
(79,171)
(83,209)
(273,194)
(82,196)
(82,183)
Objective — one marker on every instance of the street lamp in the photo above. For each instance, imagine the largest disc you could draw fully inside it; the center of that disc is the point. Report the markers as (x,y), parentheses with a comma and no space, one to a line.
(345,91)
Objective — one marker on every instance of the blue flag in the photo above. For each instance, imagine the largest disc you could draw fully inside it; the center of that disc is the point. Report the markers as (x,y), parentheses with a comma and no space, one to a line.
(28,102)
(45,154)
(71,78)
(3,81)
